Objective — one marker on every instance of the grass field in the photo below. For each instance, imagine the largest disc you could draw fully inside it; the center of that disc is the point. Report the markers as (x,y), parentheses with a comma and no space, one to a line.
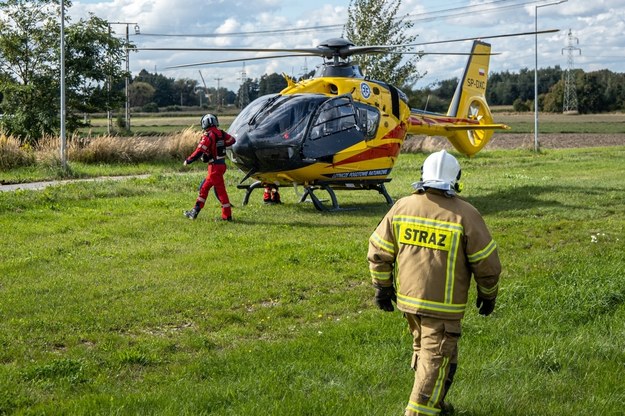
(111,302)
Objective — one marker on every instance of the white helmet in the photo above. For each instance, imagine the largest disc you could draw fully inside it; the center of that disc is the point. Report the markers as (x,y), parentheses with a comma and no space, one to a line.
(209,120)
(440,170)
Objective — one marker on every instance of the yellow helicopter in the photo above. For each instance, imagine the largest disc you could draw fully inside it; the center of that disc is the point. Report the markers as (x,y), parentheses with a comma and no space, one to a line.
(340,130)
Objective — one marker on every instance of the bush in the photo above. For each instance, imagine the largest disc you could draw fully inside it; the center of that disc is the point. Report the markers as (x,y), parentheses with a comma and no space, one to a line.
(150,108)
(520,105)
(13,155)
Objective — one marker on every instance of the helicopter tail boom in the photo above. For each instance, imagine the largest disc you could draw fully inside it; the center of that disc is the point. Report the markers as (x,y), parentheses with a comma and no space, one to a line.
(468,124)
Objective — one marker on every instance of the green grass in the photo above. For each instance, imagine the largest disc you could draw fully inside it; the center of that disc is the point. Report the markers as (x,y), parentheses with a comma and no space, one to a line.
(111,302)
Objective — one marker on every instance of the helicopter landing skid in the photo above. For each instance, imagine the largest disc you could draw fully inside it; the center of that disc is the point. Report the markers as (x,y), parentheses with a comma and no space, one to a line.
(309,191)
(249,189)
(329,188)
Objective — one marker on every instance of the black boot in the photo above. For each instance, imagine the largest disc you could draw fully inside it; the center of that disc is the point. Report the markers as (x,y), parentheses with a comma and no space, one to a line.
(192,214)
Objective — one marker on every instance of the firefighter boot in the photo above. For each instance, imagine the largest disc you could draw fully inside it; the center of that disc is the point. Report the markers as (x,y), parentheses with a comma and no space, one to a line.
(447,409)
(275,196)
(192,214)
(267,195)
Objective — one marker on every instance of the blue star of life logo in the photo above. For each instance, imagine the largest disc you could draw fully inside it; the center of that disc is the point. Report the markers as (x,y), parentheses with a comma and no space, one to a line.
(365,90)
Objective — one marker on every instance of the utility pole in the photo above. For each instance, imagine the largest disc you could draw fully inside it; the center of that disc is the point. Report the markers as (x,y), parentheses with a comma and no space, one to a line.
(536,143)
(218,94)
(570,92)
(244,95)
(63,104)
(137,32)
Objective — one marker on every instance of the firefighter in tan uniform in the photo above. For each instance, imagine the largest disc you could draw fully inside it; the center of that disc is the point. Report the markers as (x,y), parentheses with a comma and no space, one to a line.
(422,255)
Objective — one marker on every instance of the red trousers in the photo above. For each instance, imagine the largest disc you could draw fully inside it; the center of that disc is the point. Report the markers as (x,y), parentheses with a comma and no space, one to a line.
(215,177)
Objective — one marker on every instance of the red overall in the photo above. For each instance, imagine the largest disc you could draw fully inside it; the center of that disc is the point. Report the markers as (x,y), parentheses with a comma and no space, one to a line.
(213,145)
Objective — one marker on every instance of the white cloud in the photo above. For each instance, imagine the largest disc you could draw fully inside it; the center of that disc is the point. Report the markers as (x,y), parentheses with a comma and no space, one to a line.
(597,24)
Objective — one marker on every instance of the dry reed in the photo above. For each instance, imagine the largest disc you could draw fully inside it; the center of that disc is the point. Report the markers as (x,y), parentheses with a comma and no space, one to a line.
(101,149)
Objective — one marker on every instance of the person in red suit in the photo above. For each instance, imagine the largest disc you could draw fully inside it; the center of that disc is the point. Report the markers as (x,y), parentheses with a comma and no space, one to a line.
(212,149)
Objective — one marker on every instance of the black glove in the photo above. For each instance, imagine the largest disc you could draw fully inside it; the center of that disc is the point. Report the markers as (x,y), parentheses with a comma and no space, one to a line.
(485,306)
(205,158)
(384,298)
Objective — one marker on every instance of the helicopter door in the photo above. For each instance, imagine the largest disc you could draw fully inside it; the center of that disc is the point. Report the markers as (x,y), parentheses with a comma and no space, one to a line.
(334,128)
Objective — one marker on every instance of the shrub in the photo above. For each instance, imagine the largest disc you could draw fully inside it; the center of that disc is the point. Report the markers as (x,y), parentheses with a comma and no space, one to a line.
(13,154)
(520,105)
(150,108)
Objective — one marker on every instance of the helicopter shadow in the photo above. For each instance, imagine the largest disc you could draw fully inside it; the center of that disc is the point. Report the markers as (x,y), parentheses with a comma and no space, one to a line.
(531,197)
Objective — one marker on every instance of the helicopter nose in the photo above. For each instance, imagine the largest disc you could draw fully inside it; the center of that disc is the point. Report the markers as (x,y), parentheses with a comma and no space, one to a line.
(243,152)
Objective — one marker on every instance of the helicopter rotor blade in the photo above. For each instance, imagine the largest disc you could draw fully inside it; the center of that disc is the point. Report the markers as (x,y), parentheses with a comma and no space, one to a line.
(446,53)
(311,51)
(332,45)
(258,58)
(540,32)
(335,48)
(225,61)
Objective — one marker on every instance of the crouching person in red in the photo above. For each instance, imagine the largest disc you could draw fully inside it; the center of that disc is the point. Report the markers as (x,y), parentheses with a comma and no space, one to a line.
(212,149)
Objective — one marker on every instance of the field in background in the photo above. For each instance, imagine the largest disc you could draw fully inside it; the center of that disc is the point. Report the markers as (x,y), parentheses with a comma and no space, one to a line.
(520,123)
(111,302)
(154,124)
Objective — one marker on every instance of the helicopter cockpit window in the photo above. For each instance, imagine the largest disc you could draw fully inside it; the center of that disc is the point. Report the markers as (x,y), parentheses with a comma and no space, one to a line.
(335,115)
(251,112)
(287,116)
(368,119)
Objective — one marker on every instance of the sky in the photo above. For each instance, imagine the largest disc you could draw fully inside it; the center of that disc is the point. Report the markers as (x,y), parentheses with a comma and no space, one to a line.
(590,35)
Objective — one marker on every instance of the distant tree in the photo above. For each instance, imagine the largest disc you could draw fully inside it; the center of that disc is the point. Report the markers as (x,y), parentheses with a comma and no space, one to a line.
(164,94)
(185,92)
(271,83)
(520,105)
(230,98)
(552,102)
(30,67)
(597,92)
(308,75)
(140,93)
(375,22)
(590,96)
(445,89)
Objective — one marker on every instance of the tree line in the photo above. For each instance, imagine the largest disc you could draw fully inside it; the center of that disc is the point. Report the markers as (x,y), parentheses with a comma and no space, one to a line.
(95,81)
(151,92)
(597,91)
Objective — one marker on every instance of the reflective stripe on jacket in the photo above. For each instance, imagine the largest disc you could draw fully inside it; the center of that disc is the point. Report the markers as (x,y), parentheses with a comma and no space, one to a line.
(429,245)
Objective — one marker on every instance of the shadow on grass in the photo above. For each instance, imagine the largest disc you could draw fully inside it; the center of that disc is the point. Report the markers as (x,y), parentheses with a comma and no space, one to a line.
(529,198)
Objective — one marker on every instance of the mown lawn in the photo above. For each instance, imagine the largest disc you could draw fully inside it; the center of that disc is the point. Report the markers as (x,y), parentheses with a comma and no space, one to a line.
(111,302)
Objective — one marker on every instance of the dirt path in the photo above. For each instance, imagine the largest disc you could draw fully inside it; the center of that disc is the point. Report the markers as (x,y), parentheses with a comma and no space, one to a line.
(521,141)
(35,186)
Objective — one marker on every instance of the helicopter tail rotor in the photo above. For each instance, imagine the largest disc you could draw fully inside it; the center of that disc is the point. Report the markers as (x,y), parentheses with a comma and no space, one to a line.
(469,103)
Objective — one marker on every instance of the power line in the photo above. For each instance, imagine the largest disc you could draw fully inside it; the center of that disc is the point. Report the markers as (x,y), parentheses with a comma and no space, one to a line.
(417,17)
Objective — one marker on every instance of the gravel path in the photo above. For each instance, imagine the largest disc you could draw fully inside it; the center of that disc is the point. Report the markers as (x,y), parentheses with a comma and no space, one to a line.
(521,141)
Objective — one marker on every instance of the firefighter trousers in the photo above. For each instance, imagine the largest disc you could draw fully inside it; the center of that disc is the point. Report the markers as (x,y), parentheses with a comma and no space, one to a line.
(215,178)
(434,360)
